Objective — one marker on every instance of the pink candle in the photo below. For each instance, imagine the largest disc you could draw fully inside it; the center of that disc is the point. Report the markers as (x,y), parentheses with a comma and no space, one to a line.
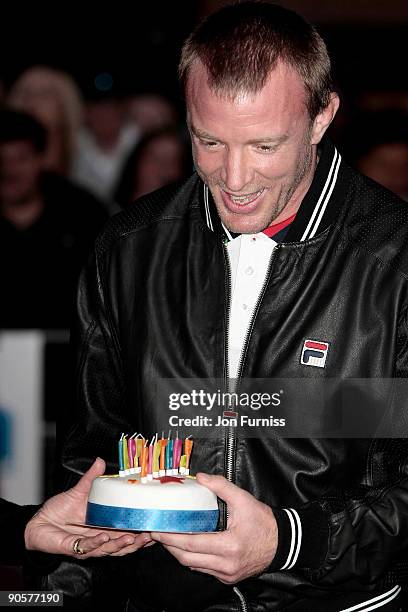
(131,452)
(150,459)
(178,443)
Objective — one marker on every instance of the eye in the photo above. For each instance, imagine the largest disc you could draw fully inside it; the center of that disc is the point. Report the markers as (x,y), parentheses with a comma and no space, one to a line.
(210,144)
(264,148)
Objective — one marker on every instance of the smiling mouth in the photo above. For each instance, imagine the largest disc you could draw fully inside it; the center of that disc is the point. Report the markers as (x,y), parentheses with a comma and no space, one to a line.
(247,198)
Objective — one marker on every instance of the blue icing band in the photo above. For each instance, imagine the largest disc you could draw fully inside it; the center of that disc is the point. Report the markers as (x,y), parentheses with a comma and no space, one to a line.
(151,520)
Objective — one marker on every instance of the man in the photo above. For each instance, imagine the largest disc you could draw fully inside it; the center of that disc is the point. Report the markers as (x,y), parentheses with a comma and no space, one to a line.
(55,528)
(47,227)
(273,244)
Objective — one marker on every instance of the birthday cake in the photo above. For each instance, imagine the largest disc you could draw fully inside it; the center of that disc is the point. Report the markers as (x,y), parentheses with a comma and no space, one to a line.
(153,491)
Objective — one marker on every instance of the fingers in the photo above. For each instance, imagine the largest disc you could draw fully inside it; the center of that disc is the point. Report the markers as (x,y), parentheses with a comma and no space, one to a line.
(141,541)
(223,489)
(81,546)
(102,545)
(206,543)
(97,469)
(221,568)
(195,560)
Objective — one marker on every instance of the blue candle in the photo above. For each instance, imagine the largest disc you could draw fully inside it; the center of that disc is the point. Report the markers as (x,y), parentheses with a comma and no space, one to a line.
(169,455)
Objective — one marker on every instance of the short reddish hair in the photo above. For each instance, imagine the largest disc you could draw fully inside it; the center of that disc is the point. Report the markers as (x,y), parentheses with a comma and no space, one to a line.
(240,45)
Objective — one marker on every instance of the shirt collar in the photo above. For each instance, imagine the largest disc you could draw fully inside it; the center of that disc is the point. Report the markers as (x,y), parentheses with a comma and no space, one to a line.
(318,209)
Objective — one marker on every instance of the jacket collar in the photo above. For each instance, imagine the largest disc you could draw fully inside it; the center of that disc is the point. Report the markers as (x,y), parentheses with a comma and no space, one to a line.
(318,209)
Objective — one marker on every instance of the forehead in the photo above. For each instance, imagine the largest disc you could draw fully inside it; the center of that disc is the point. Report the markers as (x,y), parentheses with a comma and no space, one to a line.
(282,101)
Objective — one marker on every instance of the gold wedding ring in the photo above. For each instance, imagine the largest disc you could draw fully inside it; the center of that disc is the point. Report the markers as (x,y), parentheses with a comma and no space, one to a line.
(76,548)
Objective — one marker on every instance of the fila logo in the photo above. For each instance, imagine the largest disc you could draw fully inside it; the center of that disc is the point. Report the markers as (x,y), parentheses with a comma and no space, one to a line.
(314,353)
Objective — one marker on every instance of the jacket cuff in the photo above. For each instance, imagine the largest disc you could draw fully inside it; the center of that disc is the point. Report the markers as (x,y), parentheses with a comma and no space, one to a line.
(302,538)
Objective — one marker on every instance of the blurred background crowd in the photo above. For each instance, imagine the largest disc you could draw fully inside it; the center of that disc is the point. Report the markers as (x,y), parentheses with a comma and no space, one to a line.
(91,118)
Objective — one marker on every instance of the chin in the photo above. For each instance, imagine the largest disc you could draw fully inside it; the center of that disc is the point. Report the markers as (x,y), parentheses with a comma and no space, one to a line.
(245,224)
(245,228)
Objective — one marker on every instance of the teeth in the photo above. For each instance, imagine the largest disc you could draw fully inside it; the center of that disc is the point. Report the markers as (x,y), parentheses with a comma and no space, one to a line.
(245,198)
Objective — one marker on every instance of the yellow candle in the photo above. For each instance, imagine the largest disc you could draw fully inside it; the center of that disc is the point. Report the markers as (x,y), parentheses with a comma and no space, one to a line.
(156,455)
(125,453)
(139,445)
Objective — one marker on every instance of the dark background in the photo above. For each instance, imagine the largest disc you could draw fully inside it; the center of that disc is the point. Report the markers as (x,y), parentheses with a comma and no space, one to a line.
(140,46)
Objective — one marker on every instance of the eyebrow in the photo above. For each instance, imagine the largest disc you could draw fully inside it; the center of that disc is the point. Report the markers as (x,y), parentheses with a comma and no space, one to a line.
(267,139)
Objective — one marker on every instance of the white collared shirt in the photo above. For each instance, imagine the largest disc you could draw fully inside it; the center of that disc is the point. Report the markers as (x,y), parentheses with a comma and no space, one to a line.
(249,256)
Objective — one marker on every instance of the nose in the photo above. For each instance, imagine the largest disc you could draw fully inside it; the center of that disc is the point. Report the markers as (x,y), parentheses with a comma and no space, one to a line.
(236,170)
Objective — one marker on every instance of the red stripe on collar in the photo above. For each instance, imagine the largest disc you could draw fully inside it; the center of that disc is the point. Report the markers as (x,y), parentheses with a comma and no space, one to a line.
(277,227)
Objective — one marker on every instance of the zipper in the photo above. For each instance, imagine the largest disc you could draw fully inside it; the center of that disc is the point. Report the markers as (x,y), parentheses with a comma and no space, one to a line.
(257,305)
(227,286)
(231,433)
(230,438)
(242,601)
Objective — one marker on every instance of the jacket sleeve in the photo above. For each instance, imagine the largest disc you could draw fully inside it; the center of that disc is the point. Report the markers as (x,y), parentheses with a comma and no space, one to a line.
(98,416)
(14,519)
(352,534)
(358,533)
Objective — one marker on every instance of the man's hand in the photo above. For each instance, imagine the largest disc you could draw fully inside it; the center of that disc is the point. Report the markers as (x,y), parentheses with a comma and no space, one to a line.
(245,549)
(50,529)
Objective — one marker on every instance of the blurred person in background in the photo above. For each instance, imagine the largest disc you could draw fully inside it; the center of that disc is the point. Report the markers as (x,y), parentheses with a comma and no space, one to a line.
(54,99)
(377,145)
(160,157)
(149,112)
(103,145)
(47,226)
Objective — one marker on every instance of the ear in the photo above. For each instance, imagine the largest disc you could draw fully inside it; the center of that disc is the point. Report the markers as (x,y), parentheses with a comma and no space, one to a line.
(324,119)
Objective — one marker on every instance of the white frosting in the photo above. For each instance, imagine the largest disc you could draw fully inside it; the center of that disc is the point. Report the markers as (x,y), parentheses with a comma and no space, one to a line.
(155,495)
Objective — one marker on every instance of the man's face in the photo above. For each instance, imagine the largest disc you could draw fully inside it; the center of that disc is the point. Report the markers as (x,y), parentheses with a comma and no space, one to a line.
(255,152)
(20,169)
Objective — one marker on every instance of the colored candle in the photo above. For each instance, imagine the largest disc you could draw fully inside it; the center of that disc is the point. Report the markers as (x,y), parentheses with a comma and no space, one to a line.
(169,457)
(143,460)
(182,464)
(156,457)
(125,454)
(188,445)
(162,465)
(120,449)
(131,453)
(138,457)
(150,461)
(178,444)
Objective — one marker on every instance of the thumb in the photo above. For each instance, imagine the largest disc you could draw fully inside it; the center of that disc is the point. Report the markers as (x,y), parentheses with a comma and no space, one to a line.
(83,486)
(223,488)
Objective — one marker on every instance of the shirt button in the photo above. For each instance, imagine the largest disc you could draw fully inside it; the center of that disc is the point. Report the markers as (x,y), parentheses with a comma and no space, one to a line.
(249,271)
(244,306)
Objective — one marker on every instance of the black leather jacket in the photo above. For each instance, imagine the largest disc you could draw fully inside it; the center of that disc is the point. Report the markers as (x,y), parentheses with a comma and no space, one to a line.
(153,303)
